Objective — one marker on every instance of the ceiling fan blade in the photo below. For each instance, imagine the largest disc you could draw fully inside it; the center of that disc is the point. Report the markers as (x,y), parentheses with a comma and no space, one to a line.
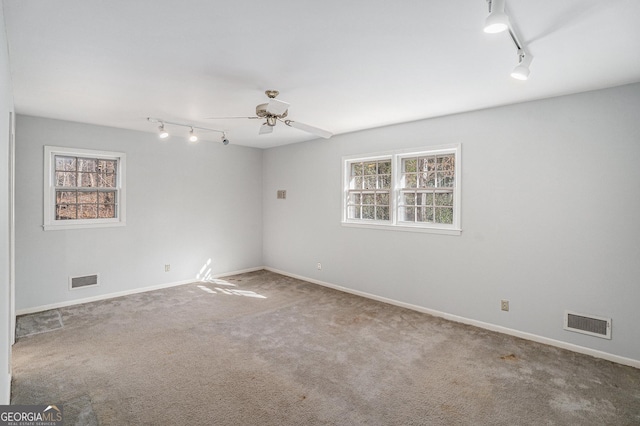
(265,128)
(225,118)
(276,107)
(307,128)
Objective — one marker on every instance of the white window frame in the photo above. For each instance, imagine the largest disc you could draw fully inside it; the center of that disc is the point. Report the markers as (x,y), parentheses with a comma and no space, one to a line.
(50,222)
(396,162)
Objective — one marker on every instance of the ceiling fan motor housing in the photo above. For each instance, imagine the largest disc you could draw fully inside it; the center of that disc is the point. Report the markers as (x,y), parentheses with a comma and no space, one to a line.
(261,111)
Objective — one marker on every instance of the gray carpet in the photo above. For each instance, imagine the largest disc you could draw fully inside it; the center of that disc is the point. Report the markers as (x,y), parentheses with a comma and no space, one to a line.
(264,349)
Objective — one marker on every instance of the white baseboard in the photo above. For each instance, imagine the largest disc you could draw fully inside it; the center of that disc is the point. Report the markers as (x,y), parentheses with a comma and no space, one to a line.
(488,326)
(41,308)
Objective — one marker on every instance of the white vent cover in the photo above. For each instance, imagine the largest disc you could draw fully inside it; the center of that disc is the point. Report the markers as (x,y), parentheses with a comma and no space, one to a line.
(588,324)
(82,282)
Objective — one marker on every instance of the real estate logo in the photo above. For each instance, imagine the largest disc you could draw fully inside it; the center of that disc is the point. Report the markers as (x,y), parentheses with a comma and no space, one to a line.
(31,415)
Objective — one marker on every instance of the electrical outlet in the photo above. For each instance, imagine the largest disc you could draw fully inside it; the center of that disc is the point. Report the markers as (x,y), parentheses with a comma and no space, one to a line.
(167,268)
(504,305)
(319,265)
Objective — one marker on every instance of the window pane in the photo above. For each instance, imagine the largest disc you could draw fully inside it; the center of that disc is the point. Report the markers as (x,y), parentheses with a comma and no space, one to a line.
(356,182)
(107,180)
(424,199)
(106,211)
(444,199)
(64,212)
(382,213)
(384,181)
(107,166)
(408,214)
(370,168)
(382,199)
(356,169)
(445,163)
(353,212)
(65,163)
(410,181)
(370,182)
(87,211)
(424,214)
(368,212)
(409,198)
(409,165)
(368,198)
(355,198)
(87,164)
(87,197)
(384,168)
(427,180)
(107,197)
(445,179)
(66,179)
(426,164)
(87,180)
(444,215)
(66,197)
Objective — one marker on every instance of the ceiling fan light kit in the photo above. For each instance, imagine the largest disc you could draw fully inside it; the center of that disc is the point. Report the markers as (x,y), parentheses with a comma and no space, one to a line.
(498,21)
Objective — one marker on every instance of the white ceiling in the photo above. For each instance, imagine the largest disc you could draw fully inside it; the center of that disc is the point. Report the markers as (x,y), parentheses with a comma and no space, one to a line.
(342,65)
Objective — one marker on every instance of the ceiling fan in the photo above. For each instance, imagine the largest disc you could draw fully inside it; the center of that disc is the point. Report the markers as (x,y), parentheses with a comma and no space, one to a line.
(276,110)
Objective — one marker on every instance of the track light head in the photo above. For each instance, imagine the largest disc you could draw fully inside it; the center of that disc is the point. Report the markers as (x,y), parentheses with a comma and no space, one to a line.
(192,136)
(225,141)
(163,133)
(521,71)
(497,21)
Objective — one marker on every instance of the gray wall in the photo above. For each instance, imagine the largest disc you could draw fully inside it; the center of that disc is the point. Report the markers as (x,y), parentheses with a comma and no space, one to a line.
(186,203)
(6,108)
(550,208)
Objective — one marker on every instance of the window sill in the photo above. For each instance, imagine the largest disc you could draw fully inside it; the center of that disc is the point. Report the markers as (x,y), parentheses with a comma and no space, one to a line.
(404,228)
(59,227)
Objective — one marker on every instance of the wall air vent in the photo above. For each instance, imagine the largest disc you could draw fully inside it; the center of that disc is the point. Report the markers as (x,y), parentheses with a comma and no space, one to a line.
(588,324)
(82,282)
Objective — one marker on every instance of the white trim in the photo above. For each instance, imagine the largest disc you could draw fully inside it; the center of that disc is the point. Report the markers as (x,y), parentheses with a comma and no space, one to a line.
(12,232)
(64,304)
(394,224)
(50,224)
(487,326)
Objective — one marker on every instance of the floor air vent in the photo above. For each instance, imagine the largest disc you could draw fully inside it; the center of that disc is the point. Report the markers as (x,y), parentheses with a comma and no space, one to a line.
(82,282)
(588,324)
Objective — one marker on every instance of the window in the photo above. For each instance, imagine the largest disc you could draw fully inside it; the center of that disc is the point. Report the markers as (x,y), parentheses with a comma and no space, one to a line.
(369,188)
(83,188)
(415,191)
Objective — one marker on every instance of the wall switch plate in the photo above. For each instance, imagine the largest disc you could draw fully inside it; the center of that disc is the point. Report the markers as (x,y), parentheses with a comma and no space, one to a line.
(504,305)
(167,268)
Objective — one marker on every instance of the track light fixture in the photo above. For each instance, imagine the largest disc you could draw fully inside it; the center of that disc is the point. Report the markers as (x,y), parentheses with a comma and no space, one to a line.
(192,135)
(163,133)
(521,71)
(498,21)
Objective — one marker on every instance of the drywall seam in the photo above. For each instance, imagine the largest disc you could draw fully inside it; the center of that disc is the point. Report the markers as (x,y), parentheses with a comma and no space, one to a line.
(487,326)
(125,293)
